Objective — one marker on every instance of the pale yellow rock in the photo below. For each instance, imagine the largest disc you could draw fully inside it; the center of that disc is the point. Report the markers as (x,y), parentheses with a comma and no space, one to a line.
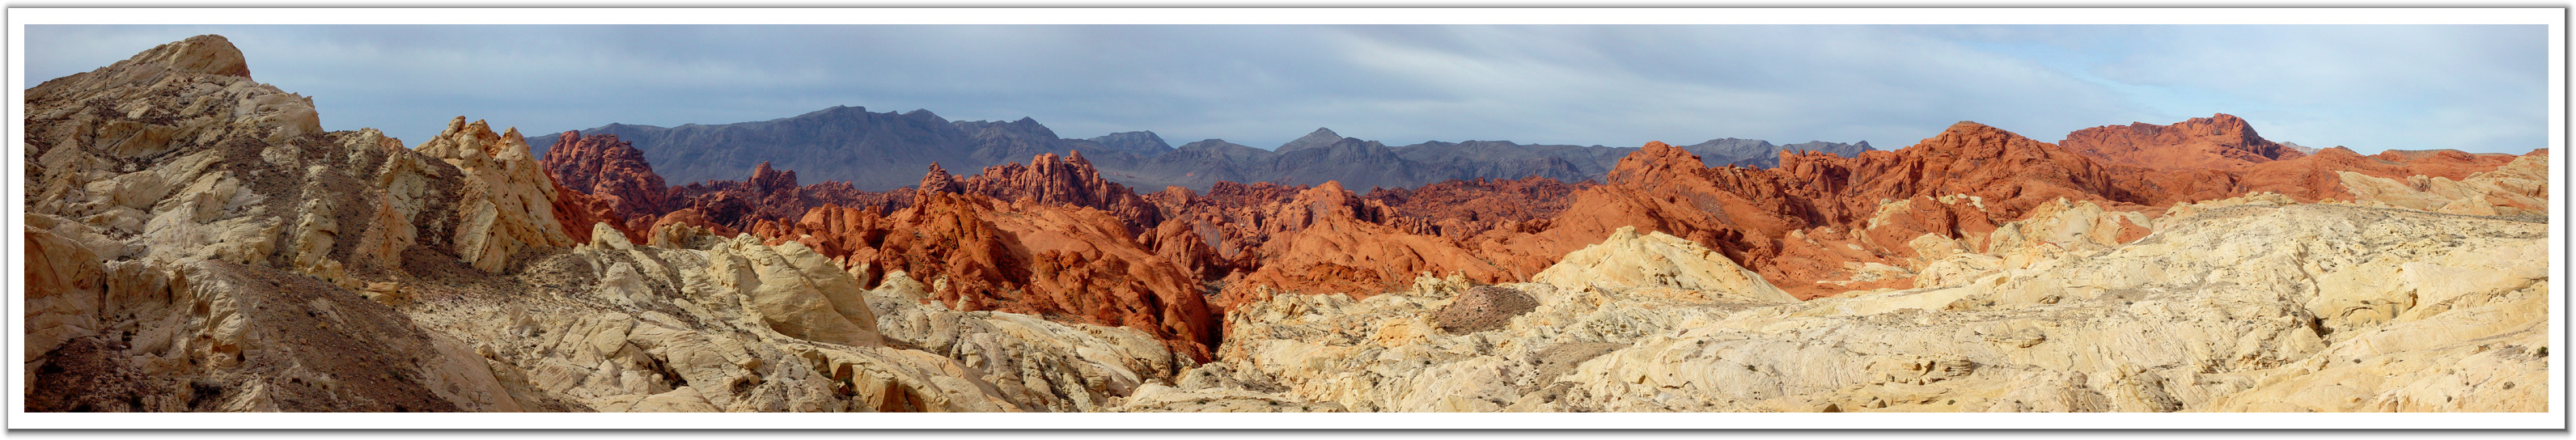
(2058,229)
(2181,210)
(795,291)
(1033,362)
(508,203)
(390,233)
(64,291)
(1629,260)
(2486,353)
(461,377)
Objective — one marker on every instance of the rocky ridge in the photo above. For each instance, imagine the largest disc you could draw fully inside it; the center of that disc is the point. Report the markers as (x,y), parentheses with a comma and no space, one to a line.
(876,151)
(240,259)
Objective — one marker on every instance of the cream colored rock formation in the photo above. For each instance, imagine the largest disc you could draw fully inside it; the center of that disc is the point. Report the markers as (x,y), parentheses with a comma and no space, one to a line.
(1629,261)
(508,202)
(1039,364)
(2054,230)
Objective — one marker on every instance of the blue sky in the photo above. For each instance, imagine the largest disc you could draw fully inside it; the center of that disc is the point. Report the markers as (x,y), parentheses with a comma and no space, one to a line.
(2480,88)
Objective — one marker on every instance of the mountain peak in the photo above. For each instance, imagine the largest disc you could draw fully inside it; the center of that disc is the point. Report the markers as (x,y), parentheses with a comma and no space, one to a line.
(1970,137)
(1214,144)
(1142,143)
(1319,138)
(2221,125)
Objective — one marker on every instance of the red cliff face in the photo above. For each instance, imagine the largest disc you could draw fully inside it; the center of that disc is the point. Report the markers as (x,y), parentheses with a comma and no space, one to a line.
(2218,142)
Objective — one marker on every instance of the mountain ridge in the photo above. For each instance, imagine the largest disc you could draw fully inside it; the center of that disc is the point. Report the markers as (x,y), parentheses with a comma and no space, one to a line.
(870,149)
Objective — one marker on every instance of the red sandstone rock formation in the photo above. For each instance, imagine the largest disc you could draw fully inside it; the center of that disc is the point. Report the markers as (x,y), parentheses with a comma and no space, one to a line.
(1745,214)
(610,170)
(1327,240)
(1461,209)
(578,211)
(608,180)
(1822,217)
(1231,220)
(773,195)
(939,181)
(1052,238)
(1054,180)
(2218,142)
(2012,173)
(978,253)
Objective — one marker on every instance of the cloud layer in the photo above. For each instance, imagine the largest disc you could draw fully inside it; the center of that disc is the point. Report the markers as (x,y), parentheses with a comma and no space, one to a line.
(2370,87)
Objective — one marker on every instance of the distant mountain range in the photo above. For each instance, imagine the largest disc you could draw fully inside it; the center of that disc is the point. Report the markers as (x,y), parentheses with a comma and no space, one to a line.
(883,151)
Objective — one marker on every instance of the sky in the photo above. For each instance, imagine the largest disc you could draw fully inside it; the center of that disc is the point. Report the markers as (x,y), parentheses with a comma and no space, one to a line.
(2479,88)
